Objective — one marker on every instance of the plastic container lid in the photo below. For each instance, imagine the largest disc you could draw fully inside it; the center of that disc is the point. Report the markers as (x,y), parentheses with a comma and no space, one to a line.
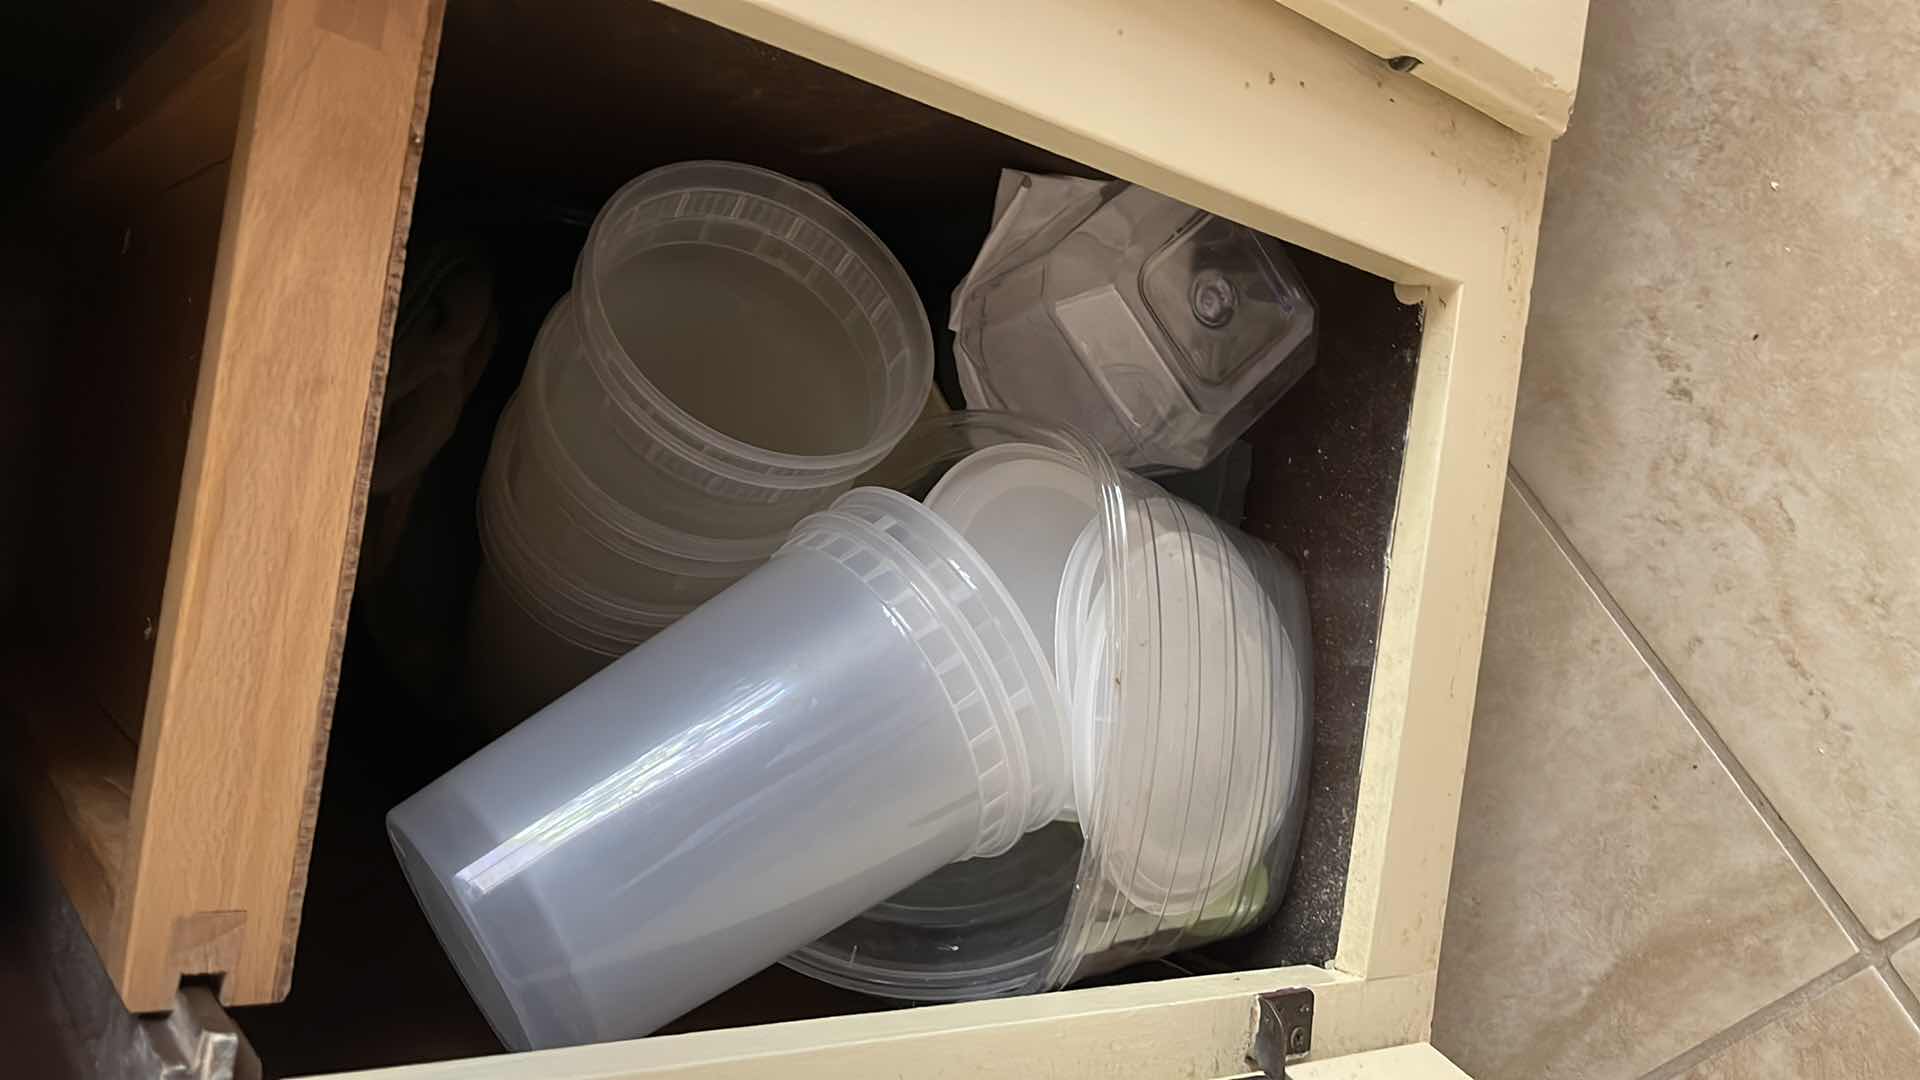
(555,554)
(1225,668)
(575,528)
(571,609)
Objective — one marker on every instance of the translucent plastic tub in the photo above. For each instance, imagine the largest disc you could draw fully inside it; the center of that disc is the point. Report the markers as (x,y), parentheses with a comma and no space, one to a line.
(658,574)
(869,723)
(538,622)
(849,718)
(736,349)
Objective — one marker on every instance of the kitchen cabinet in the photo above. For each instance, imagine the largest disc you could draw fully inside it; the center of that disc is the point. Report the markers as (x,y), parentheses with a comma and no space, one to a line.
(236,218)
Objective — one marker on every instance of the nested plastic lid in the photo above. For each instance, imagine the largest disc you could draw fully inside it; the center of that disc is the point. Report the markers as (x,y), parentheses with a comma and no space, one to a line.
(1225,670)
(968,629)
(1187,733)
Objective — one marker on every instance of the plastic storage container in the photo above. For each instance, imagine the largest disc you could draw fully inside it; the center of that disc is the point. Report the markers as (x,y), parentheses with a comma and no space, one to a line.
(561,593)
(737,349)
(844,721)
(870,723)
(1189,735)
(1160,330)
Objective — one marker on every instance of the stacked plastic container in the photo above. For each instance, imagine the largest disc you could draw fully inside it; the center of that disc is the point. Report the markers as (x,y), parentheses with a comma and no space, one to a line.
(1046,722)
(1188,734)
(736,349)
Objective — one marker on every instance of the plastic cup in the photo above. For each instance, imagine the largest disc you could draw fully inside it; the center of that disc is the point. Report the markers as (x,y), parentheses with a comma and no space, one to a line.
(815,739)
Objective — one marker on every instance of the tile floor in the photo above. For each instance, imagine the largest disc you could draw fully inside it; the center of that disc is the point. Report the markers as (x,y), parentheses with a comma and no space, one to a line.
(1690,836)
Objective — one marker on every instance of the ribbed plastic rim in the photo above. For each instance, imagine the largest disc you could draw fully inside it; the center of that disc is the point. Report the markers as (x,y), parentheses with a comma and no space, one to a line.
(677,429)
(611,517)
(543,592)
(1274,689)
(997,749)
(1108,920)
(1017,658)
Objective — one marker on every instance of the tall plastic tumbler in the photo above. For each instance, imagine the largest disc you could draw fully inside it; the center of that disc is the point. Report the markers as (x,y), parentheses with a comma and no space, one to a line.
(811,741)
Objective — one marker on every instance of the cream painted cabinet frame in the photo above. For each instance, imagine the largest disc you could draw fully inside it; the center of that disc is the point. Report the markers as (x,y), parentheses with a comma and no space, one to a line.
(1250,110)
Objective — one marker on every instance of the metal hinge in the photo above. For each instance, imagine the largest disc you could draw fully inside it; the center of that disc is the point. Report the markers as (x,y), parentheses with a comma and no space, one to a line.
(196,1041)
(1283,1029)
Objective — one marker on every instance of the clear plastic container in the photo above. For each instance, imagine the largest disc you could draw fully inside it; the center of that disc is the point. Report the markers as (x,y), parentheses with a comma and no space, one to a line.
(520,655)
(1188,734)
(1160,330)
(847,719)
(534,630)
(657,573)
(736,349)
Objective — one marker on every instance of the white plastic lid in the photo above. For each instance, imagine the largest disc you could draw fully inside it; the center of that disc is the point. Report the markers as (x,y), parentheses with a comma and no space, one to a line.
(1022,506)
(1222,667)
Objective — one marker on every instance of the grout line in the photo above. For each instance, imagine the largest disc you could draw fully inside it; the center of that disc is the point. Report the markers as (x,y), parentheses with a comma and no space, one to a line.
(1783,833)
(1681,1063)
(1870,953)
(1902,993)
(1902,937)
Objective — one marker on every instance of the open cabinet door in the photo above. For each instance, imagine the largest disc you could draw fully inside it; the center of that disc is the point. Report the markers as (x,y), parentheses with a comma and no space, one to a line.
(1518,63)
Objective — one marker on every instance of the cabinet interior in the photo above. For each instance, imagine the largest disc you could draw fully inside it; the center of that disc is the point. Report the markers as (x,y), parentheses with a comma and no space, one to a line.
(538,113)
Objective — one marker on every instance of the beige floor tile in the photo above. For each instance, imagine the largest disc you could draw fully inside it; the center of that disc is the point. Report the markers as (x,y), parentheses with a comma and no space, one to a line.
(1855,1031)
(1907,962)
(1615,898)
(1721,388)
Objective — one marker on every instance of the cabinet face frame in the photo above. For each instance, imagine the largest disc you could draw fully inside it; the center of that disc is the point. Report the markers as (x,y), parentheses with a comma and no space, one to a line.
(1251,111)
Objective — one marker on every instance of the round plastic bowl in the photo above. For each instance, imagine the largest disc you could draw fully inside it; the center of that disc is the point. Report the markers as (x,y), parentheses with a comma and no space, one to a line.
(738,349)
